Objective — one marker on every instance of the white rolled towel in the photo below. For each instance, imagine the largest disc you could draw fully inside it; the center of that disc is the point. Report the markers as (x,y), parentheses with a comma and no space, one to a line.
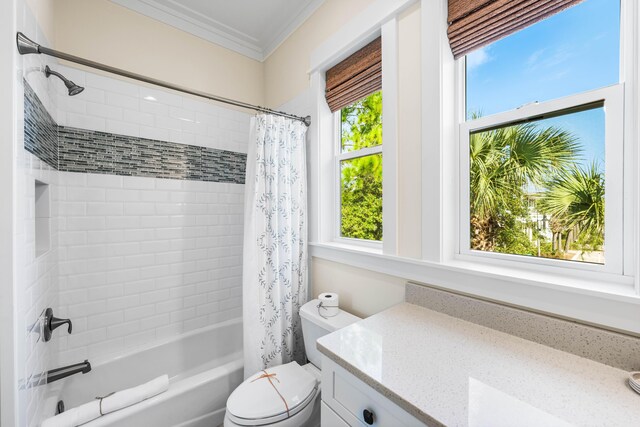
(131,396)
(75,416)
(114,402)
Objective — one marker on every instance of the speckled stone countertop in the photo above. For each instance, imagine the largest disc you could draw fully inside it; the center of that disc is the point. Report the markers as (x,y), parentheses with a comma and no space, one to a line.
(447,371)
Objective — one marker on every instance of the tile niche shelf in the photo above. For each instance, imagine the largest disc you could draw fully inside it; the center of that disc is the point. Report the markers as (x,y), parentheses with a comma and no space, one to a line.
(42,218)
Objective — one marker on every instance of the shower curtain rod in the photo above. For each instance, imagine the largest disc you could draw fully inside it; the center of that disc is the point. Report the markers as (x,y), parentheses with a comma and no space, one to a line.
(28,46)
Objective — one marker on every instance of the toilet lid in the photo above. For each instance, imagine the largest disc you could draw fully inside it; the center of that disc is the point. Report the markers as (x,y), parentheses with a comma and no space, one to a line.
(261,397)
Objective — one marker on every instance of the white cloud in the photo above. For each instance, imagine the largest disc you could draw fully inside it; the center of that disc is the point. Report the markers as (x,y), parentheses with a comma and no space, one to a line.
(534,57)
(478,57)
(546,60)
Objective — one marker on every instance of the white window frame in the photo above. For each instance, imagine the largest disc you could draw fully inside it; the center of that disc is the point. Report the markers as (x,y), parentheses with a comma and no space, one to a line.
(339,157)
(379,20)
(598,298)
(612,98)
(620,134)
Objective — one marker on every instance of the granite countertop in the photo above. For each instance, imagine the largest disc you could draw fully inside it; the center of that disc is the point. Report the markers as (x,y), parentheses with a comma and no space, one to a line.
(447,371)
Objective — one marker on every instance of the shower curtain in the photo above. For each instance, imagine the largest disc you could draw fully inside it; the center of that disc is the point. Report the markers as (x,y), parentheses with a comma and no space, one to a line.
(275,243)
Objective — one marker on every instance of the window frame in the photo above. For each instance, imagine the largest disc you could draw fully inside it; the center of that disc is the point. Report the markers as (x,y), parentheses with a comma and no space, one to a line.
(554,291)
(619,181)
(339,157)
(325,226)
(612,98)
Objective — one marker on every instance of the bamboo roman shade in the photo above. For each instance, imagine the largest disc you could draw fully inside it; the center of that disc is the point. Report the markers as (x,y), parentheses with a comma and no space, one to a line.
(356,77)
(476,23)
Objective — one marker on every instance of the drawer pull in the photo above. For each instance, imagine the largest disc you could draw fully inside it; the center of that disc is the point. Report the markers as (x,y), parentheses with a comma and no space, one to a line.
(368,416)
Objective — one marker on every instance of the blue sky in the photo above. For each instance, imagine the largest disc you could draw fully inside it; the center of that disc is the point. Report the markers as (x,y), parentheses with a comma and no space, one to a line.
(574,51)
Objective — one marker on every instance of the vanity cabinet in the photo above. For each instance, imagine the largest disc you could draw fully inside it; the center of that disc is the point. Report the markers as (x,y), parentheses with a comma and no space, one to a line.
(347,401)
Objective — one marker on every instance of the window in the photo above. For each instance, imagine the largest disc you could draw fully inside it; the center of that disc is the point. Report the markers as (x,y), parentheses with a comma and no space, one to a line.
(360,169)
(542,141)
(572,52)
(605,107)
(354,95)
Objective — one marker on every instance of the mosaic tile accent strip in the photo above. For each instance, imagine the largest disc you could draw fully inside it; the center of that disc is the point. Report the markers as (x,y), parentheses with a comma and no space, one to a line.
(40,130)
(78,150)
(100,152)
(611,348)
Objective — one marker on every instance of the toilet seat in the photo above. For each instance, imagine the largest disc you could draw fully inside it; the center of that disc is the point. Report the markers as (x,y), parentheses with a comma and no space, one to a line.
(257,401)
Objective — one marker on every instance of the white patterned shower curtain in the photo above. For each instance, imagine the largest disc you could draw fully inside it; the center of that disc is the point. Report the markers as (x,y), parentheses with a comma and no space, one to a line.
(275,243)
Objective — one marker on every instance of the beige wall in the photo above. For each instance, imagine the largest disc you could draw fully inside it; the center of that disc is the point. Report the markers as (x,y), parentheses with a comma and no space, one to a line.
(105,32)
(362,292)
(286,69)
(146,46)
(43,13)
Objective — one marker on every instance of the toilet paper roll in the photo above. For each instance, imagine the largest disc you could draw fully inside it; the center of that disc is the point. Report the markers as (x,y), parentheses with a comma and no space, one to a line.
(329,304)
(329,299)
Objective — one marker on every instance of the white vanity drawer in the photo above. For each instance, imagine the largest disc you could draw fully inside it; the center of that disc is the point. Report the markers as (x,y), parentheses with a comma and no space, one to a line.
(349,398)
(330,418)
(357,402)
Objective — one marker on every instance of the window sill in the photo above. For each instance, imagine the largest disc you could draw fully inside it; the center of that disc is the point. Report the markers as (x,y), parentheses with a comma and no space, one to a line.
(620,287)
(368,247)
(617,302)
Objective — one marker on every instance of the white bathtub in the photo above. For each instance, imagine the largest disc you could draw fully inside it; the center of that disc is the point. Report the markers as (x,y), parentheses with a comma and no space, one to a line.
(204,367)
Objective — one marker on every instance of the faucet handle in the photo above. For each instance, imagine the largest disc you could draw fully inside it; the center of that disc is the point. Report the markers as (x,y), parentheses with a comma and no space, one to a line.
(55,323)
(51,323)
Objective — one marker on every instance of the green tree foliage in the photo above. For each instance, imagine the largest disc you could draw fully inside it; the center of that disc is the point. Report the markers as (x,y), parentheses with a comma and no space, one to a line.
(361,178)
(514,171)
(576,198)
(506,161)
(524,169)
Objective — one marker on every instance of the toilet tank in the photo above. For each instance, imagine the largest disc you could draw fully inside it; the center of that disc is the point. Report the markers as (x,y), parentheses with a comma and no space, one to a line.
(315,326)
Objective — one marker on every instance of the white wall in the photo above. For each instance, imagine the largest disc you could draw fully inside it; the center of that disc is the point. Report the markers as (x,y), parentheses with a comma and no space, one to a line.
(36,278)
(143,259)
(8,130)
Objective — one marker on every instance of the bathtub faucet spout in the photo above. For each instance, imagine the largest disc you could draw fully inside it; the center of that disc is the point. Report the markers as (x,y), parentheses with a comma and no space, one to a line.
(54,375)
(66,371)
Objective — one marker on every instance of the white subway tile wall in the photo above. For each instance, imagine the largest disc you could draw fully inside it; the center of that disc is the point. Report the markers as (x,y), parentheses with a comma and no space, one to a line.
(133,260)
(36,277)
(127,108)
(36,286)
(143,259)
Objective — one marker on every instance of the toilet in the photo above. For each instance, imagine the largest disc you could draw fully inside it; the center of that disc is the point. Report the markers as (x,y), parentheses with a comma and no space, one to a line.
(256,402)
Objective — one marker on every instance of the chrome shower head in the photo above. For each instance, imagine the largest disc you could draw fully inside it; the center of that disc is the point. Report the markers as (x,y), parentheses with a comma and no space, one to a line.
(73,88)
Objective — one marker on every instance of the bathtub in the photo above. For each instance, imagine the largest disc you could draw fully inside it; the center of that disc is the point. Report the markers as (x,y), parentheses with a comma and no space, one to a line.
(204,367)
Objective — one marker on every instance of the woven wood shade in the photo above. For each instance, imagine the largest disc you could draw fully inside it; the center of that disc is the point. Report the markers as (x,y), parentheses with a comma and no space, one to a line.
(476,23)
(356,77)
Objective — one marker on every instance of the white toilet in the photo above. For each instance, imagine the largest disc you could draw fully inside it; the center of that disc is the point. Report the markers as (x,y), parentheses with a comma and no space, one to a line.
(255,402)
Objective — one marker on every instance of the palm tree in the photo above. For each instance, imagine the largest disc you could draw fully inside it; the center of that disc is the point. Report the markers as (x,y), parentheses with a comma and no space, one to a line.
(576,198)
(505,165)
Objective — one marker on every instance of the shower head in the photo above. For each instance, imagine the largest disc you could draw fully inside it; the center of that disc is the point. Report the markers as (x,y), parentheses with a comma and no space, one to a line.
(73,88)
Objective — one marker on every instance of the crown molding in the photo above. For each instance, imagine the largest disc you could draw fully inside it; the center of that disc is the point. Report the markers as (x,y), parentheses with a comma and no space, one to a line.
(216,32)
